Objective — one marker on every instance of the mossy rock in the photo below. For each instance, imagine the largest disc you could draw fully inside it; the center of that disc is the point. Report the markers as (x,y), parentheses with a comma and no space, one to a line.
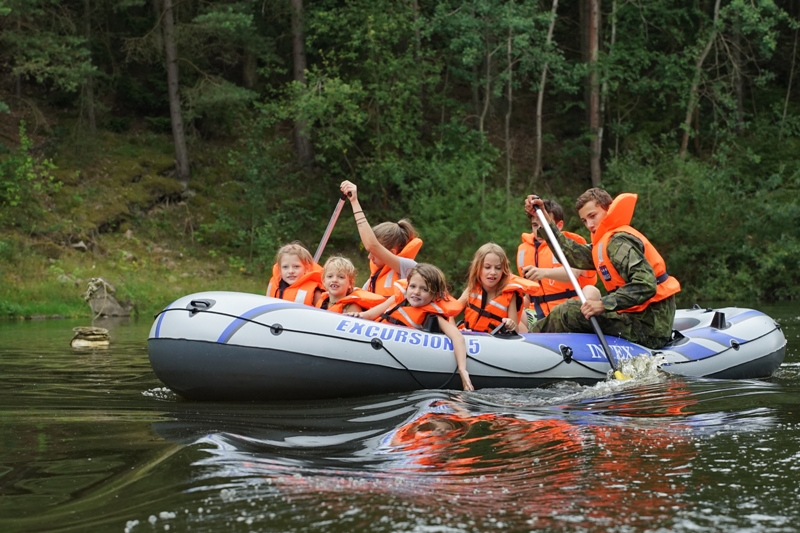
(48,249)
(159,188)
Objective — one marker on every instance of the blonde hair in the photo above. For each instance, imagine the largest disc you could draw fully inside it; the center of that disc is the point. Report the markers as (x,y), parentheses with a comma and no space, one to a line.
(474,275)
(337,263)
(434,279)
(394,235)
(297,249)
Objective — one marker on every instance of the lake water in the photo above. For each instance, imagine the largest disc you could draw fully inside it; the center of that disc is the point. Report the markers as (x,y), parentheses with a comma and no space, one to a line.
(91,441)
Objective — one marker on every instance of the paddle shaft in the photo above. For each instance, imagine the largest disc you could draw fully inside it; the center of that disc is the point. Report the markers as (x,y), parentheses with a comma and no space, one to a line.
(329,229)
(575,284)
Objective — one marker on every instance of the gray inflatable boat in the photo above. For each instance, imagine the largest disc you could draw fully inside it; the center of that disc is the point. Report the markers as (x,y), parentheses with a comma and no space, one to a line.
(237,346)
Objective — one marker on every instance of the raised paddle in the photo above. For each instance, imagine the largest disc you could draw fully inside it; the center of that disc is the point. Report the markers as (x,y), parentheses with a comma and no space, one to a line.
(329,229)
(576,285)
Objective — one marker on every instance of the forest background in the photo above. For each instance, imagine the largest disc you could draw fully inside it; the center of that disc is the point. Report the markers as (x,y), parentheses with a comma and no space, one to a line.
(173,145)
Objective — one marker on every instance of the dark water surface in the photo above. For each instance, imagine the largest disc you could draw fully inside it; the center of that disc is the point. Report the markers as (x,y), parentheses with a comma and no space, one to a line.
(90,441)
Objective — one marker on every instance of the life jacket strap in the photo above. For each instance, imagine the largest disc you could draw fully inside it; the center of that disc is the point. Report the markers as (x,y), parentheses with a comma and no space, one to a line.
(386,316)
(373,280)
(659,280)
(484,312)
(282,286)
(570,293)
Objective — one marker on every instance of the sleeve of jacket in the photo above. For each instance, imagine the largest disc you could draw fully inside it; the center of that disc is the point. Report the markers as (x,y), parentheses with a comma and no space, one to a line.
(626,253)
(578,255)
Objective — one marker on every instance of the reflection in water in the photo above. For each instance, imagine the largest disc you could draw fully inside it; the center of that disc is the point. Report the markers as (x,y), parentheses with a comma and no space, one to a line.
(91,441)
(457,459)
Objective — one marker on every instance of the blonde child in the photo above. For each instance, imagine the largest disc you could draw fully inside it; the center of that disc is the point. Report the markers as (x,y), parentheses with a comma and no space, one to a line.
(295,276)
(392,246)
(341,296)
(424,293)
(494,296)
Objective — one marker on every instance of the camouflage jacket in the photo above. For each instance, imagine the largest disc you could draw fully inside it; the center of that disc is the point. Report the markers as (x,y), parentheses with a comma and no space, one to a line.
(626,253)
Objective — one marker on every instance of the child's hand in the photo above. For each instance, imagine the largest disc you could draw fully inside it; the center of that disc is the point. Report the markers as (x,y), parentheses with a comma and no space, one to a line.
(532,202)
(509,324)
(354,315)
(532,273)
(350,190)
(466,383)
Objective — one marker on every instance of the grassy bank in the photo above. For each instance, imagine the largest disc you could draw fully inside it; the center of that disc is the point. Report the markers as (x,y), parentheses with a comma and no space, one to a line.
(148,275)
(116,214)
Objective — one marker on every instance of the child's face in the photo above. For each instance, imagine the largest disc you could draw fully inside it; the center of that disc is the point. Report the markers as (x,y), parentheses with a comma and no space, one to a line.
(291,268)
(337,283)
(491,271)
(417,292)
(592,215)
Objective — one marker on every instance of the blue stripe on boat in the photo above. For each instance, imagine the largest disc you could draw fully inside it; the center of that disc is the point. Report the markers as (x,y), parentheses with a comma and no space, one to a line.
(245,317)
(161,318)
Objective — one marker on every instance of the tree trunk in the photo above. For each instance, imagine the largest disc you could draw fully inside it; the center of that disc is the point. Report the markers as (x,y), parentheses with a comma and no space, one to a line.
(595,120)
(694,92)
(604,87)
(789,88)
(421,96)
(18,77)
(476,97)
(487,87)
(537,169)
(182,169)
(509,96)
(738,80)
(249,69)
(157,30)
(89,84)
(305,150)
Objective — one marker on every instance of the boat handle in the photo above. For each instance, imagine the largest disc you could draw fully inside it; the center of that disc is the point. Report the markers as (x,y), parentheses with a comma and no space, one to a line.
(195,306)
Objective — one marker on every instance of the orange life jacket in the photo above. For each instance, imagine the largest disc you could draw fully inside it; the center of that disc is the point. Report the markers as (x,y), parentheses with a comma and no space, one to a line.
(482,314)
(536,252)
(360,297)
(301,291)
(414,317)
(381,281)
(616,220)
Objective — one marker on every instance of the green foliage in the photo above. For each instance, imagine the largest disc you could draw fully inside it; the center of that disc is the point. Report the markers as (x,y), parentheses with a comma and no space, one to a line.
(729,230)
(217,103)
(10,310)
(25,180)
(43,45)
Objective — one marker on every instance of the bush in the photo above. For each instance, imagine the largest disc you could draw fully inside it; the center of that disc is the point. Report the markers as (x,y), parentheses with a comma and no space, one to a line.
(727,230)
(25,182)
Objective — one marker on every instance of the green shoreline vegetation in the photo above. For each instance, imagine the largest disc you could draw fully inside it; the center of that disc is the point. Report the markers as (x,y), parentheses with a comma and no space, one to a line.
(448,112)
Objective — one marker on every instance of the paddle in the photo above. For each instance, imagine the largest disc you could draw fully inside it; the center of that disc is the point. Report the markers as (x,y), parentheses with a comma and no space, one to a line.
(329,229)
(576,285)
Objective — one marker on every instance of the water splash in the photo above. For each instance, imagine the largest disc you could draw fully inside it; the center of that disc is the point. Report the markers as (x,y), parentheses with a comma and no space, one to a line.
(642,368)
(161,393)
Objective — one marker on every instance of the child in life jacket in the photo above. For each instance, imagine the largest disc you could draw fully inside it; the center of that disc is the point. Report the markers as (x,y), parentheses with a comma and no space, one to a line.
(494,297)
(537,262)
(392,246)
(341,296)
(424,293)
(295,276)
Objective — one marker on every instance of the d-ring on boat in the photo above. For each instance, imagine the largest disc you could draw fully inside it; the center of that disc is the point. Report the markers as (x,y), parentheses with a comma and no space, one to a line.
(237,346)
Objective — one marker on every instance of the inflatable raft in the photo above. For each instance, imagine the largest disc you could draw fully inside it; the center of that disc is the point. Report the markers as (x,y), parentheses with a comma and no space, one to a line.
(236,346)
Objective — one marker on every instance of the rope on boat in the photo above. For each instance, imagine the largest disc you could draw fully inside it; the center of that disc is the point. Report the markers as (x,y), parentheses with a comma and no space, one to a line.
(279,328)
(511,371)
(734,346)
